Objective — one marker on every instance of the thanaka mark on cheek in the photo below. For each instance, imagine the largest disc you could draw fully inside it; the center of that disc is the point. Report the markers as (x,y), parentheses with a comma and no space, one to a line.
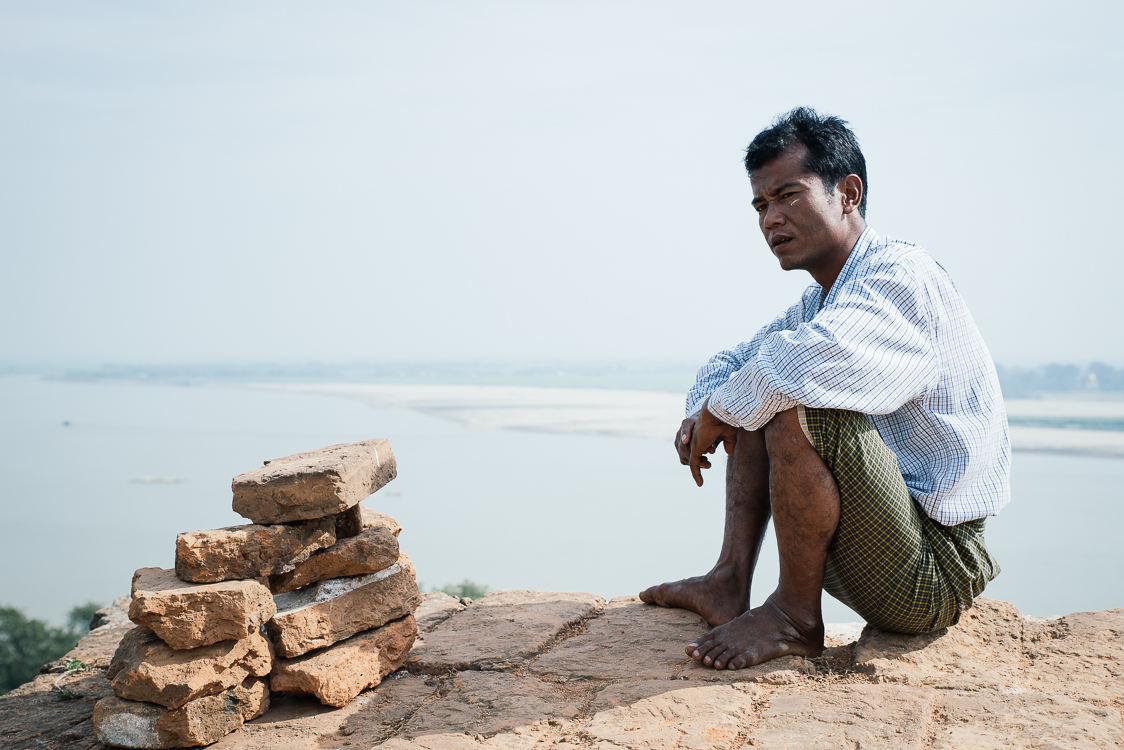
(794,202)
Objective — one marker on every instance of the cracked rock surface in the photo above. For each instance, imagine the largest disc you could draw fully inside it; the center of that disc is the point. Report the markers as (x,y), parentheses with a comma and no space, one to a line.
(522,669)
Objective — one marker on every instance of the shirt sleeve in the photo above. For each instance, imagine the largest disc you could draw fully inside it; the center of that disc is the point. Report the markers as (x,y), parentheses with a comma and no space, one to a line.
(724,364)
(868,351)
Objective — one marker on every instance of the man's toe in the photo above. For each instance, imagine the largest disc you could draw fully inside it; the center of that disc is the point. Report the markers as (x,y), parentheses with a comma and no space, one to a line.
(738,662)
(721,658)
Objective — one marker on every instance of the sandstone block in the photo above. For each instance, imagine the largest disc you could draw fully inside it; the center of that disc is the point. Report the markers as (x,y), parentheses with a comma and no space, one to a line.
(250,551)
(144,668)
(371,551)
(501,628)
(340,672)
(189,615)
(349,522)
(314,484)
(125,723)
(357,518)
(330,611)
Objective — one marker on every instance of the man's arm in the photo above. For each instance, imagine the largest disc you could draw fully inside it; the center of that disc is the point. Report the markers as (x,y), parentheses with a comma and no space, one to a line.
(721,366)
(869,352)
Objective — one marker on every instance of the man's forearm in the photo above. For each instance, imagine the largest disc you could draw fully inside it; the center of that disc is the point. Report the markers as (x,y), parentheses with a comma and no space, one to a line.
(711,376)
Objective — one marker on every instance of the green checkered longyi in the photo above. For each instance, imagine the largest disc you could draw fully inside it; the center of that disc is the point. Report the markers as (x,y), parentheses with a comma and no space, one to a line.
(898,568)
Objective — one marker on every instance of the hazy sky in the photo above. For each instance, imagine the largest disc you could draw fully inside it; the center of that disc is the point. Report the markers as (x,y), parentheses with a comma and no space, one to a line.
(363,181)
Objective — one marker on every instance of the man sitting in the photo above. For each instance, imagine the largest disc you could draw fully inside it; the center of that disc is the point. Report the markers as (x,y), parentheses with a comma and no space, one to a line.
(866,420)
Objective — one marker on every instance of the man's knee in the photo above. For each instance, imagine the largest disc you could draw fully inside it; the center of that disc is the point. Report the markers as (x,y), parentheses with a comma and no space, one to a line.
(784,434)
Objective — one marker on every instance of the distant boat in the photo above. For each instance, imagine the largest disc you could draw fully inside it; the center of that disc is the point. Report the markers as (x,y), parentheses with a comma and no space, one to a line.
(157,480)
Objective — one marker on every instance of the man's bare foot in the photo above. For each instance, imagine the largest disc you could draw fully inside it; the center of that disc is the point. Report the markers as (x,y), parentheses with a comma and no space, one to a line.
(758,635)
(717,596)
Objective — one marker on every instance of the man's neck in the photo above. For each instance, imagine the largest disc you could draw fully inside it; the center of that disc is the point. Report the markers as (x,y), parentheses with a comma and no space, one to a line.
(826,275)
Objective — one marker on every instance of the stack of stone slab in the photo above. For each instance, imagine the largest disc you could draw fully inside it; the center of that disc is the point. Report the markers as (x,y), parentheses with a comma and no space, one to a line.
(314,597)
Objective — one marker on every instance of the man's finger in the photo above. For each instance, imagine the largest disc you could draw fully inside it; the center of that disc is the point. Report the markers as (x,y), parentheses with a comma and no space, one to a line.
(696,472)
(697,458)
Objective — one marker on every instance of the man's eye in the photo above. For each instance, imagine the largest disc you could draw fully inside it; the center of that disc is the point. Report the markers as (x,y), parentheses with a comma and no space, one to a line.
(759,207)
(787,195)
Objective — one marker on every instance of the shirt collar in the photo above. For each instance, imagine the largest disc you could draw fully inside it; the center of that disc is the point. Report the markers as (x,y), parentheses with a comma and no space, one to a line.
(868,239)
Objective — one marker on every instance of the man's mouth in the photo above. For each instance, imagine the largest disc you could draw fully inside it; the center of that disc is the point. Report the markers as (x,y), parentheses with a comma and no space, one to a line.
(778,242)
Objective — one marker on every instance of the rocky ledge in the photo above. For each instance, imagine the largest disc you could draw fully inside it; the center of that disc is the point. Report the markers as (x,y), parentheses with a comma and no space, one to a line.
(523,669)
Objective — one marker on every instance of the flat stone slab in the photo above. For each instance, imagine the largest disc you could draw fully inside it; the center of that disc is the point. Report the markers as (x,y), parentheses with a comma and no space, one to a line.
(501,629)
(629,639)
(144,668)
(487,703)
(1032,720)
(133,724)
(386,709)
(651,714)
(436,607)
(369,551)
(995,648)
(337,674)
(190,615)
(330,611)
(1047,690)
(1080,655)
(314,484)
(985,647)
(845,717)
(250,551)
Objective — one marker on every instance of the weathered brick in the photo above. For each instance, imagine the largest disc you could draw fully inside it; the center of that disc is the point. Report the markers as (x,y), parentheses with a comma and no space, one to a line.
(314,484)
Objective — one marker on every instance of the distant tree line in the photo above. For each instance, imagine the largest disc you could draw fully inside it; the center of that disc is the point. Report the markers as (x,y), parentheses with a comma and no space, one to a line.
(27,644)
(1019,382)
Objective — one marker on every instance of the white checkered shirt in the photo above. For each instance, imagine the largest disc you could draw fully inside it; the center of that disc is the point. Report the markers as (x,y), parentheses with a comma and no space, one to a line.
(894,340)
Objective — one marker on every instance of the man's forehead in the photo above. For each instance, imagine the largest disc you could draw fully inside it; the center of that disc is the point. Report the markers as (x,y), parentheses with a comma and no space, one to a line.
(784,169)
(774,184)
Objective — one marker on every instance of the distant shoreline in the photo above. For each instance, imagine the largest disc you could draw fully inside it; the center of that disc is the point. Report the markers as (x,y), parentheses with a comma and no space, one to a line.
(657,414)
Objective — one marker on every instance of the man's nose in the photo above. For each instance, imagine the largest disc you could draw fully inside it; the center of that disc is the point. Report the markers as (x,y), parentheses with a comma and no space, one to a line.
(773,216)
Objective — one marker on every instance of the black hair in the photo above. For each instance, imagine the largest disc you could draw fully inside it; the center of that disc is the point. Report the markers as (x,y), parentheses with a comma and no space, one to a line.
(833,150)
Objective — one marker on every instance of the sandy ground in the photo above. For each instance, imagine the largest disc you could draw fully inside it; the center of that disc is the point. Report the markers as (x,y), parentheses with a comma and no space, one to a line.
(652,414)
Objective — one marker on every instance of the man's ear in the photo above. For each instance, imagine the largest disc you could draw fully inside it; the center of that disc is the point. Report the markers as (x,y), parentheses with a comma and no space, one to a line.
(852,189)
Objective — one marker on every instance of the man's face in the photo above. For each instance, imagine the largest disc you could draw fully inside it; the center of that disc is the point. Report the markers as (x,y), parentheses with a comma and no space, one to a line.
(802,222)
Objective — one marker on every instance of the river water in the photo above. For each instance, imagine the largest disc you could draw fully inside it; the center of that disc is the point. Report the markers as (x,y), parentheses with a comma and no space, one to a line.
(509,509)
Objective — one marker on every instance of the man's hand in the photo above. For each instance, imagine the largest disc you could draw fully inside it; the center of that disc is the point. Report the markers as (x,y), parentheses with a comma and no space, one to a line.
(699,435)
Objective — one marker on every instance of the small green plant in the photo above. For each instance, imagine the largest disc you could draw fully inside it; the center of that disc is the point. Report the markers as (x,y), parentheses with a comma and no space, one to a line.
(74,665)
(466,589)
